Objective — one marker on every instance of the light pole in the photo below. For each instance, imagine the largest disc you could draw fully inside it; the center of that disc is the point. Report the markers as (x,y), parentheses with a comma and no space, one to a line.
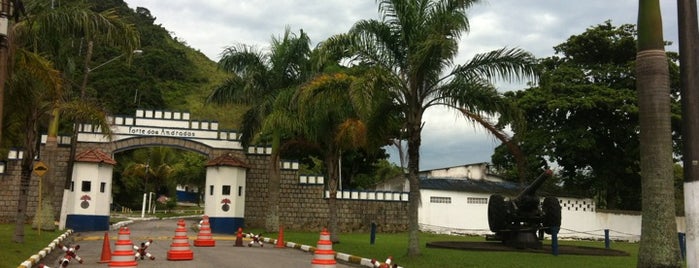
(145,191)
(88,58)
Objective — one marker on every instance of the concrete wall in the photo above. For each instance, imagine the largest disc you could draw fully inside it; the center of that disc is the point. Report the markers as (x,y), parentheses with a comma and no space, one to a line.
(477,171)
(580,219)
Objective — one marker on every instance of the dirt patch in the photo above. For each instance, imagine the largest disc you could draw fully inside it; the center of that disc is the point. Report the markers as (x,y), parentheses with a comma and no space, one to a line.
(497,246)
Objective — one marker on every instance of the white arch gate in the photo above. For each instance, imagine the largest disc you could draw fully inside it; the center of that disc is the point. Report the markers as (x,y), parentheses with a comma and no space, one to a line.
(86,203)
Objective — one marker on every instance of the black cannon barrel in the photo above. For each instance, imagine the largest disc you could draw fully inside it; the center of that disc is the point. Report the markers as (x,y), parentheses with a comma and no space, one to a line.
(531,189)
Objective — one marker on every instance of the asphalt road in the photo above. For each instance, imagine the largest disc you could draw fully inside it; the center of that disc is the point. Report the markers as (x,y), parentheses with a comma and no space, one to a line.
(224,254)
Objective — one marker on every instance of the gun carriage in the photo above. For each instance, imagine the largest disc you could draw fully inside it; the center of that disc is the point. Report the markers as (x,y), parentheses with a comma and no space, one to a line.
(519,222)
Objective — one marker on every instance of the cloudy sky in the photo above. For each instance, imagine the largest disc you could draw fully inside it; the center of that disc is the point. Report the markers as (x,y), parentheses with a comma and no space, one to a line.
(448,140)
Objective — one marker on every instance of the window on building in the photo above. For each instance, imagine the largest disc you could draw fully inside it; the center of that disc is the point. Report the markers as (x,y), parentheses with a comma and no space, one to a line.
(240,190)
(440,199)
(86,186)
(477,200)
(103,185)
(226,190)
(211,190)
(72,186)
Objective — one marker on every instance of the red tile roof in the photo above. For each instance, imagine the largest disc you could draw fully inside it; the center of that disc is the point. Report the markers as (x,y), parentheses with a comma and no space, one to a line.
(226,160)
(95,156)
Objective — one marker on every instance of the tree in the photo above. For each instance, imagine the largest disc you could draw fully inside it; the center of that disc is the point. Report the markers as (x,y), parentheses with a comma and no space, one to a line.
(33,81)
(147,170)
(47,30)
(583,116)
(257,77)
(689,44)
(189,169)
(659,246)
(339,127)
(413,48)
(44,31)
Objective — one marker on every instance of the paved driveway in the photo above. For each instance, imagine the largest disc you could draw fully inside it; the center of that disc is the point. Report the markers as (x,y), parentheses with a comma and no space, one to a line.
(224,254)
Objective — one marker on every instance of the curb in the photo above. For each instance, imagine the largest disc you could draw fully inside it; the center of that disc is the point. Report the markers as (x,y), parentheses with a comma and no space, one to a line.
(338,255)
(34,259)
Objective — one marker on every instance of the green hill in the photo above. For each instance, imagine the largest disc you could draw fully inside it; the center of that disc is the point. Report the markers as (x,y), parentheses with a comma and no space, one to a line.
(167,75)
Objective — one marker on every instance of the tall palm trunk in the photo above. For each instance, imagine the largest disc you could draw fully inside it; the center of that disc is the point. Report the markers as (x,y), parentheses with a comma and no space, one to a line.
(689,73)
(659,247)
(26,175)
(273,185)
(331,164)
(45,216)
(414,141)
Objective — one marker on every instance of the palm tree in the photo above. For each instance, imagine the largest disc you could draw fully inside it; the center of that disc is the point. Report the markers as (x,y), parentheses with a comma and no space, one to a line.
(32,81)
(688,42)
(152,170)
(47,30)
(414,46)
(334,111)
(659,246)
(257,78)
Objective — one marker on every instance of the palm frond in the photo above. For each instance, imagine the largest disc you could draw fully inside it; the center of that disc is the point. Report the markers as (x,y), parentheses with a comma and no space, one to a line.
(230,91)
(46,24)
(512,64)
(88,113)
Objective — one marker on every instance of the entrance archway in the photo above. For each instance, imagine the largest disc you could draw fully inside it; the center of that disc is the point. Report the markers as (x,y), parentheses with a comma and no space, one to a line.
(154,129)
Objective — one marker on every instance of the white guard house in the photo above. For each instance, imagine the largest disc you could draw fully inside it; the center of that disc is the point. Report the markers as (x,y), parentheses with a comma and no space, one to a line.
(225,194)
(86,203)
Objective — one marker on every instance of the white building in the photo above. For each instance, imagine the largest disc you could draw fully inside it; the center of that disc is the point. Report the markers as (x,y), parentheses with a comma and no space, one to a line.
(455,200)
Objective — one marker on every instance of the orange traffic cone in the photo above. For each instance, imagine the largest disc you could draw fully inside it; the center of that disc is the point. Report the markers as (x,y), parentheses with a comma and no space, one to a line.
(122,256)
(239,238)
(324,256)
(204,238)
(179,249)
(106,250)
(280,239)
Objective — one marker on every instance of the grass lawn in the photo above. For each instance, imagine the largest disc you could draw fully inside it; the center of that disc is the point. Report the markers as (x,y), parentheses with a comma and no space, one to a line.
(396,245)
(12,254)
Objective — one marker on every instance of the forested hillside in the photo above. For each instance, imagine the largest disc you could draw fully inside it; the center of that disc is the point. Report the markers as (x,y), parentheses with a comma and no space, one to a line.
(167,75)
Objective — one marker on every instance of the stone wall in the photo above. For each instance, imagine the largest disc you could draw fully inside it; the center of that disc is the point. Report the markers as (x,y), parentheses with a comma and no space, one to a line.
(9,186)
(302,206)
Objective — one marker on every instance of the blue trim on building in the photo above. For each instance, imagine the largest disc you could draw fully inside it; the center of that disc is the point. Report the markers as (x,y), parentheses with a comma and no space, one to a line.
(225,225)
(85,223)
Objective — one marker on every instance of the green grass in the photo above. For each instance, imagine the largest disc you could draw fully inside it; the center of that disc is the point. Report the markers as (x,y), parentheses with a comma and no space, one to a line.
(396,245)
(12,254)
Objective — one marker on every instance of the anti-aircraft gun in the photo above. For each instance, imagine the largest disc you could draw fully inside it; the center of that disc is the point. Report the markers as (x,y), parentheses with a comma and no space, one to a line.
(516,221)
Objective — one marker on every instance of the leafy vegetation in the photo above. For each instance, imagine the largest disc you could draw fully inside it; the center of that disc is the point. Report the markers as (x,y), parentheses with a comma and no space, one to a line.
(410,54)
(158,170)
(583,117)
